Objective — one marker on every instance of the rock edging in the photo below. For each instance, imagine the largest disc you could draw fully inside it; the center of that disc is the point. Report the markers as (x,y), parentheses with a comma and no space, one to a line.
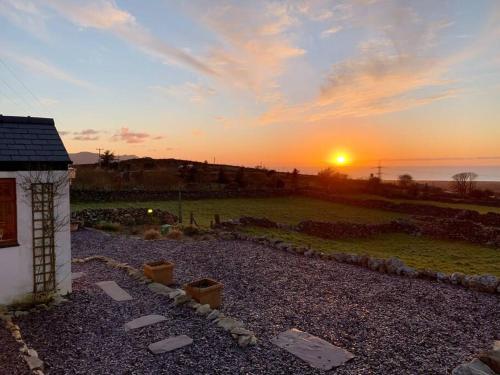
(30,356)
(239,333)
(393,265)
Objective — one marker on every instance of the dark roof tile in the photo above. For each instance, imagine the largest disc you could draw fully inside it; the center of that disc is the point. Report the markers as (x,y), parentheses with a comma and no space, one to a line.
(30,139)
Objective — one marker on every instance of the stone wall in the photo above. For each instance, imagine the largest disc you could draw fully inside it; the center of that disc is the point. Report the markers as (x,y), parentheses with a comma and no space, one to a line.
(489,219)
(144,195)
(339,230)
(123,216)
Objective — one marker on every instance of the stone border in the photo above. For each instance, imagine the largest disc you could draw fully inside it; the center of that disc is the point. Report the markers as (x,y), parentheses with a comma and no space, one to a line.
(239,333)
(393,265)
(30,356)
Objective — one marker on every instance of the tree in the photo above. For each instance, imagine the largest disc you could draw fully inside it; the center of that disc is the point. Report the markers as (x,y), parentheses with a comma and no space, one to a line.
(405,180)
(328,177)
(464,183)
(107,158)
(222,177)
(295,178)
(240,178)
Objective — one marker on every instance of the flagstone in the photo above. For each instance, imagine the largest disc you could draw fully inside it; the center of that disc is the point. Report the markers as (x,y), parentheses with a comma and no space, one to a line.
(170,344)
(76,275)
(144,321)
(317,352)
(113,290)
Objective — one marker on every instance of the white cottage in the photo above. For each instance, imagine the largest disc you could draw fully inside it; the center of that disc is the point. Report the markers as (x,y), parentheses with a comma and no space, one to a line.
(35,245)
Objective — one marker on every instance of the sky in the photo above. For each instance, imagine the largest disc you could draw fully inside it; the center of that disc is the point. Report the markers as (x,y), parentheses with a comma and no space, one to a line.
(277,83)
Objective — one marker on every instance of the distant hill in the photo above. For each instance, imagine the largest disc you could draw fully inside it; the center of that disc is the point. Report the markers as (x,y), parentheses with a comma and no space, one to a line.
(92,157)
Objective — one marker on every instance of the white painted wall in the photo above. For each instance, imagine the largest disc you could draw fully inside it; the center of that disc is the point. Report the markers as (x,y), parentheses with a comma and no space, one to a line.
(16,263)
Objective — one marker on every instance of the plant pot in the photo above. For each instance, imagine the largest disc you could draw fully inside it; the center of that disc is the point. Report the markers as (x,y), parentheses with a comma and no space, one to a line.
(205,291)
(74,226)
(160,272)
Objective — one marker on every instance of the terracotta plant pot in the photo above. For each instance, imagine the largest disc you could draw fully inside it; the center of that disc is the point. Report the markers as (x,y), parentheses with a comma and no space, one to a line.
(74,226)
(160,272)
(205,291)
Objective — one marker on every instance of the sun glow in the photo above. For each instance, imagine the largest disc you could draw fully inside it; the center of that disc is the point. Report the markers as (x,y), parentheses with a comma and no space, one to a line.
(339,159)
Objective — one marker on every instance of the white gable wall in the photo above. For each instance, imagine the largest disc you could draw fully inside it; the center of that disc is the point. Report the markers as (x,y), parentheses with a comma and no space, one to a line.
(16,263)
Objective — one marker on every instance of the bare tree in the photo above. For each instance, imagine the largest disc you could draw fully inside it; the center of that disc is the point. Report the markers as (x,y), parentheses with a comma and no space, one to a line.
(463,183)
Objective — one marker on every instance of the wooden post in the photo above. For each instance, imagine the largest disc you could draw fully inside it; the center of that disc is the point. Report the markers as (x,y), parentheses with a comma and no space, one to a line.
(180,206)
(217,219)
(191,218)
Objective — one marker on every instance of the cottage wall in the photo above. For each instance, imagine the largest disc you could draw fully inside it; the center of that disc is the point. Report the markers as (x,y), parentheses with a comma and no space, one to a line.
(16,263)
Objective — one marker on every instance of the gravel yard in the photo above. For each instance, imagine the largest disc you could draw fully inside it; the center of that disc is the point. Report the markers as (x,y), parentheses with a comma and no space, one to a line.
(393,325)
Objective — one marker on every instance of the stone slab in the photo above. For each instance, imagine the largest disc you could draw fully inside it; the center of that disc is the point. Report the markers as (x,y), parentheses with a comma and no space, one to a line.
(76,275)
(170,344)
(317,352)
(144,321)
(113,290)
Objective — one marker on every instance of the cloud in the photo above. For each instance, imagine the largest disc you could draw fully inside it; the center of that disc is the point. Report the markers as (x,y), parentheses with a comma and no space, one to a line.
(253,45)
(329,32)
(125,135)
(396,71)
(26,15)
(86,135)
(195,92)
(106,15)
(38,66)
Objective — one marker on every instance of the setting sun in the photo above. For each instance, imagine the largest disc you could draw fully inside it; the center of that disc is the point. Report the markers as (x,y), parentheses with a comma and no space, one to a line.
(339,158)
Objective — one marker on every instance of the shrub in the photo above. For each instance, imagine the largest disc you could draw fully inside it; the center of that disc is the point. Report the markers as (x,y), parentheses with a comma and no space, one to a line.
(190,230)
(174,234)
(111,227)
(152,234)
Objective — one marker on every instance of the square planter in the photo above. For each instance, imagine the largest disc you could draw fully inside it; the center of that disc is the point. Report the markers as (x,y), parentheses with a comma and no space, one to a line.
(205,291)
(160,272)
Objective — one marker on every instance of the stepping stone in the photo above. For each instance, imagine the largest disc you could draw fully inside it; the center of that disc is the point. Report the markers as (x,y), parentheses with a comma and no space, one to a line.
(170,344)
(144,321)
(317,352)
(113,290)
(76,275)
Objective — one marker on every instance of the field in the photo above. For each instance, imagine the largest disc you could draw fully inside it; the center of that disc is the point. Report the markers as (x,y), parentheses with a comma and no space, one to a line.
(289,210)
(419,252)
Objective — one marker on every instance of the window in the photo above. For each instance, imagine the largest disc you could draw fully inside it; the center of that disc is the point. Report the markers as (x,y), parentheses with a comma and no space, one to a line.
(8,217)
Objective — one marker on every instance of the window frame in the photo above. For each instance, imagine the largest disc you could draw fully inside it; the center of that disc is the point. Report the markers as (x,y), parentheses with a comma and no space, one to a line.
(13,242)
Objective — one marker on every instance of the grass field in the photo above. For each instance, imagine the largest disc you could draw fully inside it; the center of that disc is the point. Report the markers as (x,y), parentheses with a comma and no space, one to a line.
(289,210)
(460,206)
(418,252)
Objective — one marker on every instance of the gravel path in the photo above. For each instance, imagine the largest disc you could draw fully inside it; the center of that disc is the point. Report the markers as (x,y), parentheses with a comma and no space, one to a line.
(393,325)
(11,362)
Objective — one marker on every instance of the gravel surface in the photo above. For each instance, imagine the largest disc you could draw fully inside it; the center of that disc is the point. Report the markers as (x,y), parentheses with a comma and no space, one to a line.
(11,362)
(393,325)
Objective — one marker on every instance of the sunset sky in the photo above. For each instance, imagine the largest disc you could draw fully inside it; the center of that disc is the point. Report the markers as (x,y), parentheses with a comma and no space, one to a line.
(285,83)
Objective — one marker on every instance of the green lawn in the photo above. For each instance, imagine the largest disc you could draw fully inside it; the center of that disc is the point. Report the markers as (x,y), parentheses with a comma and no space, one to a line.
(289,210)
(461,206)
(418,252)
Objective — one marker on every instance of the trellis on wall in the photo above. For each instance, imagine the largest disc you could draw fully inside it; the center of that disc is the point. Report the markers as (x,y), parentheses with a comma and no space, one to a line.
(44,262)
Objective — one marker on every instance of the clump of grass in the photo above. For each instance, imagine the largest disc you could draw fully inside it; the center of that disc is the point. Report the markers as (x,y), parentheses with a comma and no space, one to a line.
(174,234)
(108,226)
(152,234)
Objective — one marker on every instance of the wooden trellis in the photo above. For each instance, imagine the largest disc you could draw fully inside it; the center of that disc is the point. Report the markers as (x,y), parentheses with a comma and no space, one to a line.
(44,262)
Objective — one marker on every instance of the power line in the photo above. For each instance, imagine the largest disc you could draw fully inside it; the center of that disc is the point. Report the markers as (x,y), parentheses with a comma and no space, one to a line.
(20,81)
(28,105)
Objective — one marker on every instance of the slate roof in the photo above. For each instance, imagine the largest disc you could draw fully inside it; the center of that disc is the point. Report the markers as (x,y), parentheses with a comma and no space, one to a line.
(31,140)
